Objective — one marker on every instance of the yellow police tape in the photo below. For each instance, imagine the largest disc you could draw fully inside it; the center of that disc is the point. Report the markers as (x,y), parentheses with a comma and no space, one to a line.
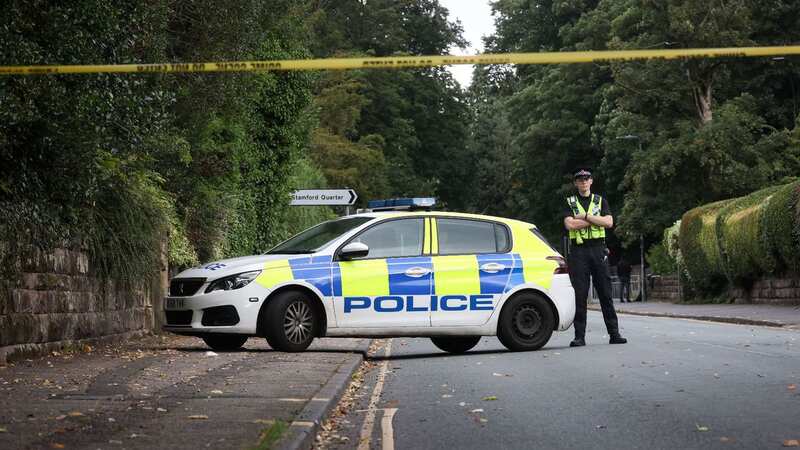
(396,62)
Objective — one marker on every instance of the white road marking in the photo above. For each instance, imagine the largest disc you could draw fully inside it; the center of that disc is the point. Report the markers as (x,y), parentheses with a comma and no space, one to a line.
(387,429)
(369,420)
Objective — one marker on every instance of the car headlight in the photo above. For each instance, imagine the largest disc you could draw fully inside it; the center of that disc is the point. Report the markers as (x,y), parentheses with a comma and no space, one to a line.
(237,281)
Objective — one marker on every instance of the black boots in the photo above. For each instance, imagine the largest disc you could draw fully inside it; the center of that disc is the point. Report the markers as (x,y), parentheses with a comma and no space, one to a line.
(616,339)
(577,342)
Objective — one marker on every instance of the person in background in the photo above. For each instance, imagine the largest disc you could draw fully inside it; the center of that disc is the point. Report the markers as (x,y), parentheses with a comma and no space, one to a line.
(586,217)
(624,274)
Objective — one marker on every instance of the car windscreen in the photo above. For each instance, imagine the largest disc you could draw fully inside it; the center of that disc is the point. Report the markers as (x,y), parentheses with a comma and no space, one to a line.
(317,237)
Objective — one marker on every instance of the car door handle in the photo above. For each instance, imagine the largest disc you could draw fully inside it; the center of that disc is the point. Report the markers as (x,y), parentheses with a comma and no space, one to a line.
(492,267)
(416,272)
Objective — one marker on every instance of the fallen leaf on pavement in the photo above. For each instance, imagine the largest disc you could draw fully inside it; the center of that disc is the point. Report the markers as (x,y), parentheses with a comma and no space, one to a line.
(489,398)
(701,428)
(198,417)
(56,445)
(75,414)
(791,443)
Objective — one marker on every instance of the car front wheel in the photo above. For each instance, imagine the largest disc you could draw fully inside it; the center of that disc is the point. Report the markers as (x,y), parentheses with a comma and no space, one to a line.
(291,322)
(225,342)
(526,322)
(455,344)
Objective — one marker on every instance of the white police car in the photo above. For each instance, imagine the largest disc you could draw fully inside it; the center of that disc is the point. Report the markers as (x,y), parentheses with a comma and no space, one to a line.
(448,276)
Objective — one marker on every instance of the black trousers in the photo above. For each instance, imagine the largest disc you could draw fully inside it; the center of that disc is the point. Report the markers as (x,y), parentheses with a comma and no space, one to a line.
(585,262)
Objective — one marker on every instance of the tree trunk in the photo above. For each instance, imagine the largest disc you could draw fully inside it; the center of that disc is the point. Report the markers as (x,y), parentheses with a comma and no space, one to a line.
(702,98)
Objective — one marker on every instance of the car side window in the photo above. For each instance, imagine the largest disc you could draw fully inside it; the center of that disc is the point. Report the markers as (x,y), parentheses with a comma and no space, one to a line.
(395,238)
(464,236)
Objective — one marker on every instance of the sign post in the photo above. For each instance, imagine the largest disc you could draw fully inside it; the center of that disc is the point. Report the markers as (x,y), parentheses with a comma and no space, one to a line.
(316,197)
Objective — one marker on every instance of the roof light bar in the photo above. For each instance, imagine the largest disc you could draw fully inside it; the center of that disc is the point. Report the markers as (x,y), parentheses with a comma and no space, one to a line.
(396,204)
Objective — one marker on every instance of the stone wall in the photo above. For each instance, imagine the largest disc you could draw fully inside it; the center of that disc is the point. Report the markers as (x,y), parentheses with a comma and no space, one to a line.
(767,291)
(56,302)
(771,291)
(665,288)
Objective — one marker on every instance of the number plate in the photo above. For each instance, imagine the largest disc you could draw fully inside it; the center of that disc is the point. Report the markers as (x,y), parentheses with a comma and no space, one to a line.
(175,303)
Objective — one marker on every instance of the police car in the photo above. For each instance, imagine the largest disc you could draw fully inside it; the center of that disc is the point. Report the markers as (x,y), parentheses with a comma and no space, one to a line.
(388,272)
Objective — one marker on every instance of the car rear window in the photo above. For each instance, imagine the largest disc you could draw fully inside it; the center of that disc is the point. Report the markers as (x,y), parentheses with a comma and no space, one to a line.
(463,236)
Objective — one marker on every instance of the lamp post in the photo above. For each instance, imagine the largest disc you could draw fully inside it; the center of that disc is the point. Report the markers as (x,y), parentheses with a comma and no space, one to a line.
(643,281)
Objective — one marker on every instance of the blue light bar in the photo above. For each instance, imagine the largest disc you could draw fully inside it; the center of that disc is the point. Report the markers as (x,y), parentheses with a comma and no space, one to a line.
(401,203)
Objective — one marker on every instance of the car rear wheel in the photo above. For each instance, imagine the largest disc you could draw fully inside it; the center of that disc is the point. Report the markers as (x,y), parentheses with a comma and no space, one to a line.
(291,321)
(224,342)
(455,344)
(526,322)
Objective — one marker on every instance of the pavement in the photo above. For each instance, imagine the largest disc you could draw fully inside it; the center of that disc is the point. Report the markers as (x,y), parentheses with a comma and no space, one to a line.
(171,391)
(765,315)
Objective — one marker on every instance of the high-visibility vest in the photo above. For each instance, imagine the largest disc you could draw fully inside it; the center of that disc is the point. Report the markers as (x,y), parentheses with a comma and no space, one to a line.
(593,231)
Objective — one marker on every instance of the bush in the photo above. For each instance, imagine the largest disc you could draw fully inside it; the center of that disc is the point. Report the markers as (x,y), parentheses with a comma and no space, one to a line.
(745,252)
(781,227)
(659,260)
(700,250)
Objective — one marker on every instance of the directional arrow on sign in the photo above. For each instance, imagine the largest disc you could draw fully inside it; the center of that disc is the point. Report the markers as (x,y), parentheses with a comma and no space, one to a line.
(311,197)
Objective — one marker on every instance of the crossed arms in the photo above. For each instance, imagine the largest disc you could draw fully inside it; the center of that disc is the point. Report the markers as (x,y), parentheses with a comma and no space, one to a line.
(581,221)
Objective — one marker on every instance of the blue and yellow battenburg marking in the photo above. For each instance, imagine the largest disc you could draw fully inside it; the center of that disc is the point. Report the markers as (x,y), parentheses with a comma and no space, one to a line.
(447,280)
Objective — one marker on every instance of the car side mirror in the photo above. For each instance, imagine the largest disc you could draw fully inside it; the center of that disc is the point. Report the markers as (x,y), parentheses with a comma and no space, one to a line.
(354,250)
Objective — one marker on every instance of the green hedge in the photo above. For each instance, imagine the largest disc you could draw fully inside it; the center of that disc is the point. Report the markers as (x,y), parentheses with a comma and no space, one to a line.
(700,249)
(743,244)
(733,242)
(781,221)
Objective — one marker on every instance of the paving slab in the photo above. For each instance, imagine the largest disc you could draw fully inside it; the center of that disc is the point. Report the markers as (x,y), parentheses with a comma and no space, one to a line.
(173,392)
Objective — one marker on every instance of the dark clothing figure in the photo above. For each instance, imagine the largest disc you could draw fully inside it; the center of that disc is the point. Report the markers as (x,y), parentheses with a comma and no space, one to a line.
(588,257)
(624,274)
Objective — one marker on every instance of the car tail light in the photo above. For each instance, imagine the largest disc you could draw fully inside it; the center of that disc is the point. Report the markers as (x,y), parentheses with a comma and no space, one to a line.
(562,265)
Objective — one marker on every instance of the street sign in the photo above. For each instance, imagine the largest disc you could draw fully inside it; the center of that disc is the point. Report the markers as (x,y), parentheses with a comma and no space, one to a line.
(310,197)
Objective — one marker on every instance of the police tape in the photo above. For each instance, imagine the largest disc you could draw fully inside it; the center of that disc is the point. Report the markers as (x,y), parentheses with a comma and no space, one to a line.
(398,62)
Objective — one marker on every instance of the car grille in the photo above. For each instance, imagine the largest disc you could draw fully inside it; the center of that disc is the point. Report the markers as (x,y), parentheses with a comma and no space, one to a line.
(179,317)
(185,287)
(220,316)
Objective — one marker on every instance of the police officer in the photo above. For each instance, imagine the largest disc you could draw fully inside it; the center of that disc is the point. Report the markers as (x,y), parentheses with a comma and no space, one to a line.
(586,217)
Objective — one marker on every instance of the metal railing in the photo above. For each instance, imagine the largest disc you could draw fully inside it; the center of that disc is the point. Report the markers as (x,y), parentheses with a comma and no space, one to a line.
(616,289)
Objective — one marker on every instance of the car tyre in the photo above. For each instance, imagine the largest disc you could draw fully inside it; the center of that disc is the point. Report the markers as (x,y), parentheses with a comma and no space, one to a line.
(526,322)
(291,321)
(224,342)
(455,344)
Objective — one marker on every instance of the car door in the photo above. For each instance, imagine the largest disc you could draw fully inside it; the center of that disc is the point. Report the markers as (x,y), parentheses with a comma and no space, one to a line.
(470,271)
(391,286)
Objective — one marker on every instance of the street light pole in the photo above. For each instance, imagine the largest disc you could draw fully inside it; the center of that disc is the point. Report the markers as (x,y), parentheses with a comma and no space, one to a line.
(643,280)
(641,258)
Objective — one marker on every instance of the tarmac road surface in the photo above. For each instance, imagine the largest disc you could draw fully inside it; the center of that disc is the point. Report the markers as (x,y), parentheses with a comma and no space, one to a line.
(676,384)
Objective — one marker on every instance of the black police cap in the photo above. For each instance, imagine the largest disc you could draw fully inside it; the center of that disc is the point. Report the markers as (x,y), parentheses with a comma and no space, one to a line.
(582,172)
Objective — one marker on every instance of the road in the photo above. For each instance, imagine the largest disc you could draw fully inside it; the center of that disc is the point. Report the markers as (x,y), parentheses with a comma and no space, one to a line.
(676,384)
